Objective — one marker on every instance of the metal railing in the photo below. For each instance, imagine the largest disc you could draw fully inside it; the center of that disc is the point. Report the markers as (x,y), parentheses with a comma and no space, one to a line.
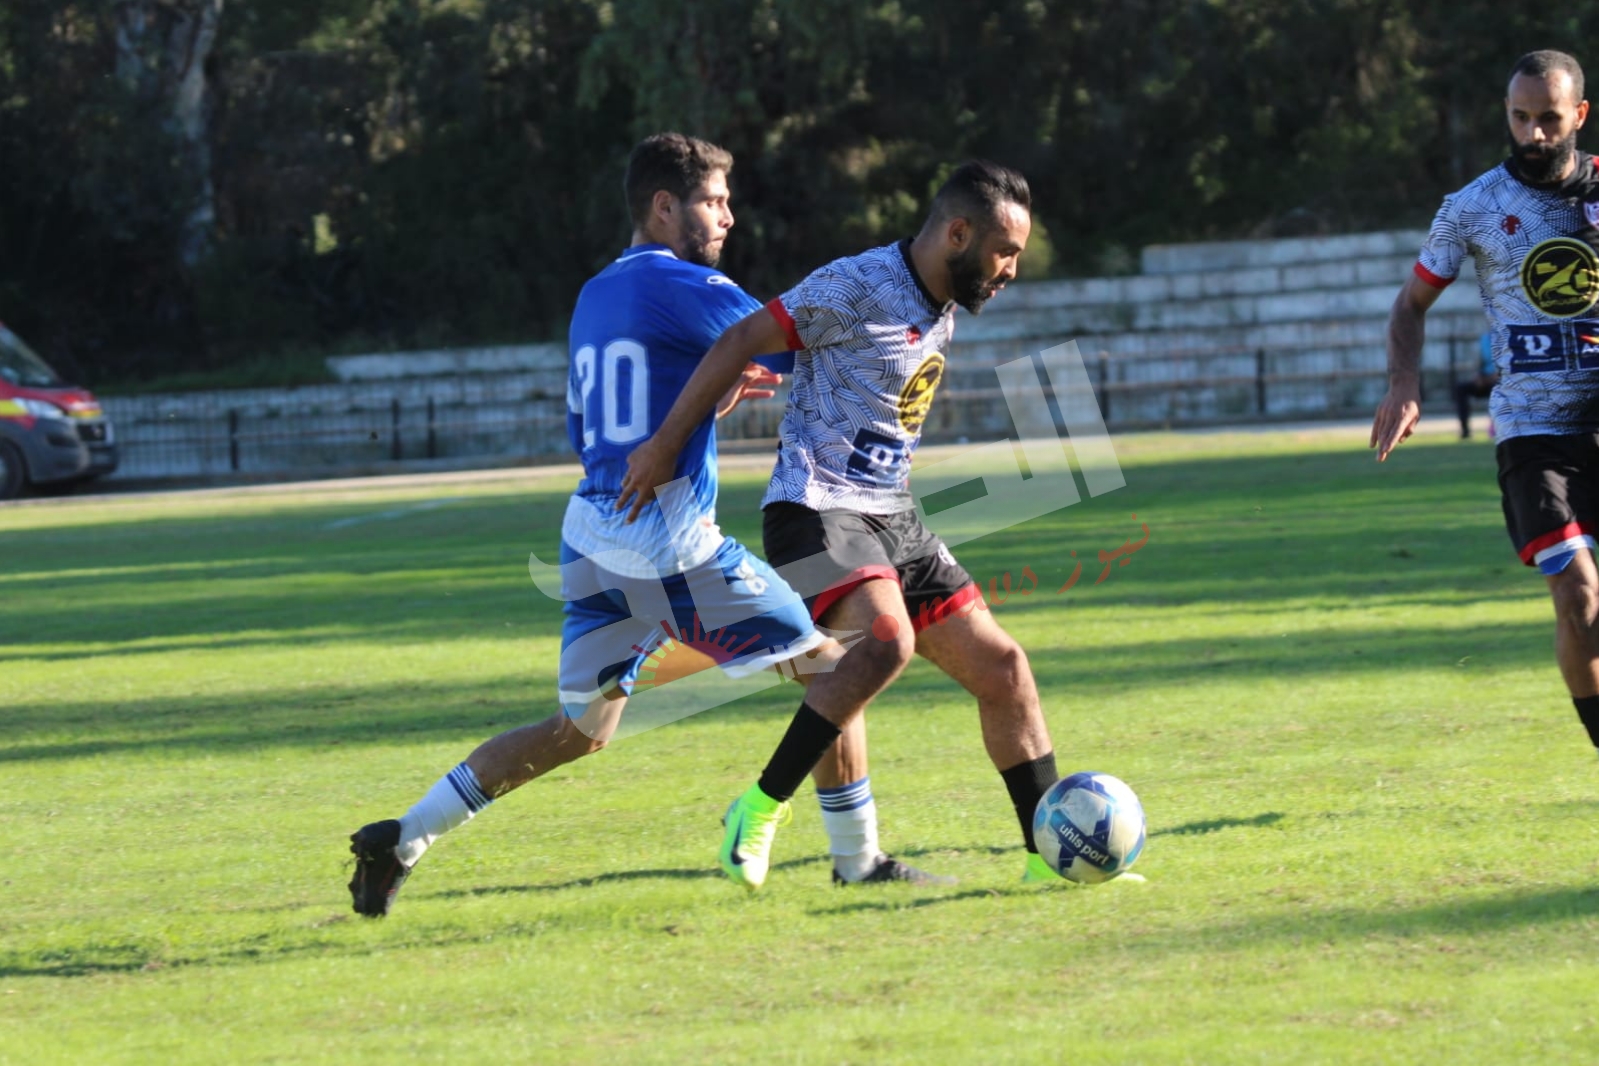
(215,435)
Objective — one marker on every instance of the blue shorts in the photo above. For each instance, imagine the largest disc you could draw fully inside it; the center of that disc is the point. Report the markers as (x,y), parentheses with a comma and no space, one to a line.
(733,609)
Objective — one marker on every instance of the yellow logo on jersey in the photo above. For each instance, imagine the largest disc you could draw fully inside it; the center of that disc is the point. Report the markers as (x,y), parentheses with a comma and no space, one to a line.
(1561,277)
(916,398)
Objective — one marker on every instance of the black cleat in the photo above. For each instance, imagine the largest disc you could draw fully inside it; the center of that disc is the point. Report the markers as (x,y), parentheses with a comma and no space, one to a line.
(889,868)
(379,873)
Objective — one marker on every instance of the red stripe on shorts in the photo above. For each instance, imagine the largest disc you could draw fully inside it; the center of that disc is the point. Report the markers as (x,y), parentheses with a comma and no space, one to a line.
(934,613)
(1549,540)
(858,576)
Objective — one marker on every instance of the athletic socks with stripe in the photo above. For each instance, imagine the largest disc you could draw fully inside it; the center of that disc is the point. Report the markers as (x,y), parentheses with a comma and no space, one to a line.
(850,815)
(451,802)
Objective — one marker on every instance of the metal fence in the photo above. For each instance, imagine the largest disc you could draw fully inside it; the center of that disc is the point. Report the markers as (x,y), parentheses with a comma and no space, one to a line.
(511,417)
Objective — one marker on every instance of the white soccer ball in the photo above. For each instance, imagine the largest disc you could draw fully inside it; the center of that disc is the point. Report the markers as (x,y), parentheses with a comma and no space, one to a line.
(1089,827)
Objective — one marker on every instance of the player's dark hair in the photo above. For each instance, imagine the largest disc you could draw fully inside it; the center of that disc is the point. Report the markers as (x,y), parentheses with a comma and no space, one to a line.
(977,190)
(671,161)
(1546,61)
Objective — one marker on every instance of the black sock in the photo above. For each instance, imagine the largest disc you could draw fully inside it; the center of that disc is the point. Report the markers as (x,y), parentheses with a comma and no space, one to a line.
(1027,784)
(1588,711)
(802,747)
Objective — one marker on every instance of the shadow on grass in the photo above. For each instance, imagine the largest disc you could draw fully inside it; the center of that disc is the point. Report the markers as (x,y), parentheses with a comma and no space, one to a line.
(916,903)
(1216,825)
(1484,916)
(303,716)
(1256,528)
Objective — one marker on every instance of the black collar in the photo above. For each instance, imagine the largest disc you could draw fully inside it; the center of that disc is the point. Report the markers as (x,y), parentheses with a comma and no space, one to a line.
(904,247)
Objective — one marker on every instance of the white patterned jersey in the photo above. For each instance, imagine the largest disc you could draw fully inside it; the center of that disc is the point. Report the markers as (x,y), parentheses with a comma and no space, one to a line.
(1538,286)
(870,343)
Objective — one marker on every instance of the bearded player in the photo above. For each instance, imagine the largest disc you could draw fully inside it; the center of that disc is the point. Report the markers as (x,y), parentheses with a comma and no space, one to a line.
(871,332)
(1520,223)
(639,329)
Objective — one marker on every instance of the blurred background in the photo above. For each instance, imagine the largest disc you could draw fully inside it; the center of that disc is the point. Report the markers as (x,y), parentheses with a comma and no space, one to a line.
(193,185)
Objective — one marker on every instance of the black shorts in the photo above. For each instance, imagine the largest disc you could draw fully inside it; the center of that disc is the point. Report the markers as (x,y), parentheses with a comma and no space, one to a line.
(1549,488)
(825,554)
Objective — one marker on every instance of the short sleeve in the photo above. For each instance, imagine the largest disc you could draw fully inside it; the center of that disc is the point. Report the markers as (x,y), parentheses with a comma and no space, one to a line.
(821,311)
(1442,251)
(718,303)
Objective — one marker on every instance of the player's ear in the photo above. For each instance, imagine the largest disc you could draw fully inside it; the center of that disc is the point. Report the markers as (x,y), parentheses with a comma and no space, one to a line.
(1582,113)
(959,233)
(662,204)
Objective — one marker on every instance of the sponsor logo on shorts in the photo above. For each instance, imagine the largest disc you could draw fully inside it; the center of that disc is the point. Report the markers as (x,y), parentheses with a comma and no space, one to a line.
(916,399)
(1560,277)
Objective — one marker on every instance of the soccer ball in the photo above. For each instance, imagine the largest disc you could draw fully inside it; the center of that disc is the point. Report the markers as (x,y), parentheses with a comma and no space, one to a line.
(1089,827)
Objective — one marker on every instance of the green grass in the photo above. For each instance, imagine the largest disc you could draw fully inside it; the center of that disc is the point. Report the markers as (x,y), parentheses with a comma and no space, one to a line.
(1371,806)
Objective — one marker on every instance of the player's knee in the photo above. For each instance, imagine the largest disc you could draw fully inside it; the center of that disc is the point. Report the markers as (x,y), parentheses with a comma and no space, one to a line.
(885,650)
(574,741)
(1011,674)
(1577,606)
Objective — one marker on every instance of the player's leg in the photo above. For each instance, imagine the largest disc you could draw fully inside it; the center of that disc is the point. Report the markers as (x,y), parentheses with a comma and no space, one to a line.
(1575,592)
(594,675)
(1552,513)
(956,632)
(1464,391)
(874,657)
(849,813)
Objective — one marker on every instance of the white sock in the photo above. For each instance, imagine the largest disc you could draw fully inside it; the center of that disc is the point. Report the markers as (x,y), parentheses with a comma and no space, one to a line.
(850,815)
(452,801)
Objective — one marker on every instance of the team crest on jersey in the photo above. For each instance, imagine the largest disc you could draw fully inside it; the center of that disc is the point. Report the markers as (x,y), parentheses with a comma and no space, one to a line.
(916,398)
(1510,224)
(1560,277)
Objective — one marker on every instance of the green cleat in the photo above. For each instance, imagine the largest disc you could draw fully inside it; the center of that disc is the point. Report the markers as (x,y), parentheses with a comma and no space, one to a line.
(1038,871)
(751,823)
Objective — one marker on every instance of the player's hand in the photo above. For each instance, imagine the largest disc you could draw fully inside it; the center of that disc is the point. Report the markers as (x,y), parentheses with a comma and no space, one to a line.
(756,383)
(1396,419)
(648,466)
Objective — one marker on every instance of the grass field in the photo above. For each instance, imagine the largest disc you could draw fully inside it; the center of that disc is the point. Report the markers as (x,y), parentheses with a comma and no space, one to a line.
(1371,807)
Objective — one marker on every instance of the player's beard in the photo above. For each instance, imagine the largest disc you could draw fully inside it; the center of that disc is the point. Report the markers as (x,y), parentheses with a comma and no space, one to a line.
(968,285)
(701,246)
(1543,164)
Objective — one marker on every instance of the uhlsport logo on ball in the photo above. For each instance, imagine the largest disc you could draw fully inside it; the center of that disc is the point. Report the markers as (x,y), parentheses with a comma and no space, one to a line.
(1089,827)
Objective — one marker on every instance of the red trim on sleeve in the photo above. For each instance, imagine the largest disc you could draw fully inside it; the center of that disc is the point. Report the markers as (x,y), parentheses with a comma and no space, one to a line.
(942,609)
(1549,540)
(786,320)
(859,576)
(1432,279)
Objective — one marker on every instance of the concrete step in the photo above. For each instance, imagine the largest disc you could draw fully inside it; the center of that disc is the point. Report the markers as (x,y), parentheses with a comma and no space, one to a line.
(1196,285)
(448,361)
(1240,255)
(1032,318)
(1319,349)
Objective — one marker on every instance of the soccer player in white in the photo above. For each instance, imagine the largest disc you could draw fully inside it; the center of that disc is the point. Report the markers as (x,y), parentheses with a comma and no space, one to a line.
(872,331)
(1539,281)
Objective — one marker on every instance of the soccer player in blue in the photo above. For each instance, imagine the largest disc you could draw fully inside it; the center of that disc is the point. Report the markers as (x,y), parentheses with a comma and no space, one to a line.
(638,332)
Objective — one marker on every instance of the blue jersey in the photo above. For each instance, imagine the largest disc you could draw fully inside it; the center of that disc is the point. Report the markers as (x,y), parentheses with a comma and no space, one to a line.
(638,332)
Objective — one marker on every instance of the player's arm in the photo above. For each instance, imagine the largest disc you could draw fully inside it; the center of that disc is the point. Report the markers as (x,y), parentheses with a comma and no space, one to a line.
(1400,409)
(654,461)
